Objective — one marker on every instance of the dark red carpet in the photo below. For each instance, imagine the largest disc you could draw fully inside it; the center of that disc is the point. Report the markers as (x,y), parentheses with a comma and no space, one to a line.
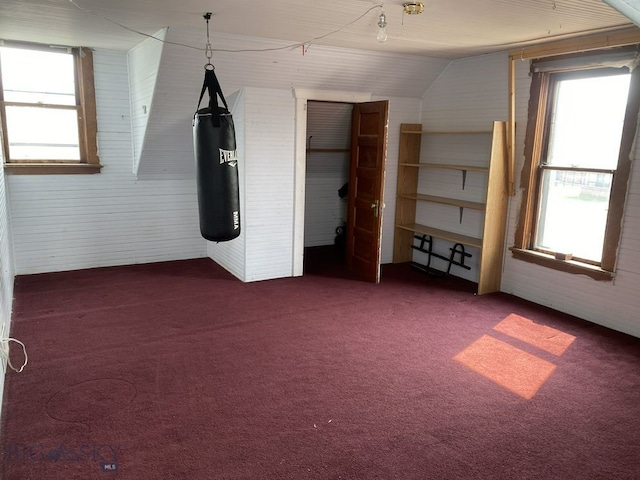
(179,371)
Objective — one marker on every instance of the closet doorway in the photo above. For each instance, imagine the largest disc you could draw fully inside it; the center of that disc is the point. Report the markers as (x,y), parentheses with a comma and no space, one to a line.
(344,184)
(328,145)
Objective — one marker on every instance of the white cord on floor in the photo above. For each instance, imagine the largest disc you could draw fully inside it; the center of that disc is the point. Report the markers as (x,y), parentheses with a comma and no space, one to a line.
(5,354)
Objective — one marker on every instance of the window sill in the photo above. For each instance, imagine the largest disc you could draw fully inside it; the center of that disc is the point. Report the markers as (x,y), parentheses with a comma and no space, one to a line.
(52,168)
(569,266)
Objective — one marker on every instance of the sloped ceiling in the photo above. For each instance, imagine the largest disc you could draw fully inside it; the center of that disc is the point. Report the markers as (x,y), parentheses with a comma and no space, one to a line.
(168,141)
(447,29)
(418,47)
(629,8)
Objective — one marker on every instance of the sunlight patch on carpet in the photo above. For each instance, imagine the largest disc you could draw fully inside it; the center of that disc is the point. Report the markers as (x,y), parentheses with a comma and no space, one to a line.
(508,366)
(541,336)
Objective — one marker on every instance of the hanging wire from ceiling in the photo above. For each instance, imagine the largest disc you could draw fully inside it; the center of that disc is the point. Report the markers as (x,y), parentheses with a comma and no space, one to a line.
(208,51)
(305,45)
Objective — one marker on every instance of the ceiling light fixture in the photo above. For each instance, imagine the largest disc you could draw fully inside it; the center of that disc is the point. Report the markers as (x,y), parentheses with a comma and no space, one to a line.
(413,8)
(382,31)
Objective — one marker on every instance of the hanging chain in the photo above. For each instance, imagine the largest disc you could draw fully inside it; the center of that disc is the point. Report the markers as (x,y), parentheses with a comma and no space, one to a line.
(208,50)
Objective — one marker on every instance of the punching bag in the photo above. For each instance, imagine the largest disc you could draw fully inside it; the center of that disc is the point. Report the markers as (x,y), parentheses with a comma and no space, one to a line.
(214,142)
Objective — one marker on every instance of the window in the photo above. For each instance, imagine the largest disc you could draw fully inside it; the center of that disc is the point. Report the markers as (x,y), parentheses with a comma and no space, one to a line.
(48,110)
(582,121)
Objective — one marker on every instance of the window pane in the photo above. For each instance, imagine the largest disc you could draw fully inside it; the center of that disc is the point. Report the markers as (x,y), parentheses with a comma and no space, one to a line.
(36,76)
(573,212)
(42,134)
(586,124)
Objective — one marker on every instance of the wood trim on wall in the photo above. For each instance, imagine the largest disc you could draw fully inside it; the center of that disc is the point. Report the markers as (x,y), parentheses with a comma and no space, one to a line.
(618,38)
(51,168)
(532,146)
(302,96)
(511,130)
(568,266)
(87,125)
(88,122)
(619,188)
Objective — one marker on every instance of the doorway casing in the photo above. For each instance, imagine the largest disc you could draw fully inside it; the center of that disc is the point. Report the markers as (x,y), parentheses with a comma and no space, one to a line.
(302,96)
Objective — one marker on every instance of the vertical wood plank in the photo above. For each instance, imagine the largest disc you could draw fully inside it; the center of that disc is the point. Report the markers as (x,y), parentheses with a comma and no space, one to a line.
(511,129)
(407,182)
(490,273)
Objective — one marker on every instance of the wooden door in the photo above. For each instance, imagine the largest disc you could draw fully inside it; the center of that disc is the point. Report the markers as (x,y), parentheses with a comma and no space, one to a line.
(366,188)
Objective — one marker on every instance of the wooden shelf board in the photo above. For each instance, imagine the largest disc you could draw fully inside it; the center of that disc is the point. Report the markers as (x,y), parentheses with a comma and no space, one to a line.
(443,234)
(492,243)
(456,202)
(468,168)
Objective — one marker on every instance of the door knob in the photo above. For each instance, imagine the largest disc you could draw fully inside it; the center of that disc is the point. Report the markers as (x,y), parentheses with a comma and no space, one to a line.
(375,206)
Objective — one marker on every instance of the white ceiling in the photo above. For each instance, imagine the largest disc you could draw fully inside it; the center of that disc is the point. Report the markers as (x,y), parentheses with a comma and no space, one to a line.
(446,29)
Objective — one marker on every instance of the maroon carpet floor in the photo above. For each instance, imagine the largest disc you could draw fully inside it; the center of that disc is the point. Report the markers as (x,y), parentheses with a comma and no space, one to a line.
(179,371)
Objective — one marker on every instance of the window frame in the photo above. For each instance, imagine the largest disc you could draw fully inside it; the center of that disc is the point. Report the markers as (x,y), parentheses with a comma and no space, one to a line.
(89,162)
(535,138)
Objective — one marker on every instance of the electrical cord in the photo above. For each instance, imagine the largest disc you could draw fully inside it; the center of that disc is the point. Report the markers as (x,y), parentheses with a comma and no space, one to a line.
(286,47)
(4,352)
(492,47)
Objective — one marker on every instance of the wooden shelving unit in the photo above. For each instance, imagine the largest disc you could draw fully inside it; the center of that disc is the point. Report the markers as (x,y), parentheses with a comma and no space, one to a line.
(494,208)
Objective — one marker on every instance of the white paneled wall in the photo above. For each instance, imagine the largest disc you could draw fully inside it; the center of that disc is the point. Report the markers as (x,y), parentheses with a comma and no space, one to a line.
(265,132)
(65,222)
(168,144)
(6,272)
(269,177)
(470,94)
(324,209)
(232,254)
(401,110)
(461,99)
(464,97)
(473,150)
(264,120)
(328,126)
(144,64)
(113,218)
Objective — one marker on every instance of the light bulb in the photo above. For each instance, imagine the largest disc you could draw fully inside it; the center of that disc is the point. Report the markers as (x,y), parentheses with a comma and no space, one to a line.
(382,35)
(382,31)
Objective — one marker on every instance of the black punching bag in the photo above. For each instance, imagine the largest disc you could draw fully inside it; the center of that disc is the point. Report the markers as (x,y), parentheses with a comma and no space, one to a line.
(214,142)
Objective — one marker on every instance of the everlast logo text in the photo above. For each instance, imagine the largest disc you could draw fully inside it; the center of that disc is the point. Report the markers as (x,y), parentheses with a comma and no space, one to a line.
(228,156)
